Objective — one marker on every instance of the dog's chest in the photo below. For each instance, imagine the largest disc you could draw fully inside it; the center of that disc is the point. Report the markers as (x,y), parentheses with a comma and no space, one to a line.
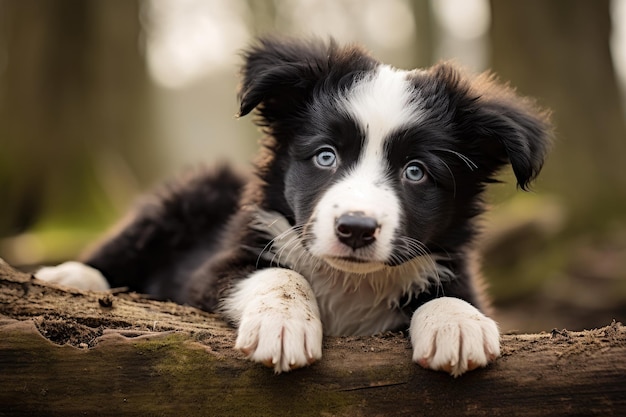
(355,308)
(354,314)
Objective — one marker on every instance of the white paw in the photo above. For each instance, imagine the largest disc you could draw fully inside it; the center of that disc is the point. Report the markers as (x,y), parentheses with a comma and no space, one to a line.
(449,334)
(74,275)
(279,321)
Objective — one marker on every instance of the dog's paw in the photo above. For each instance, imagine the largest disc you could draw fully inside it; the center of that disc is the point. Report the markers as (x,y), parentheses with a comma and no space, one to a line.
(74,275)
(280,324)
(451,335)
(279,340)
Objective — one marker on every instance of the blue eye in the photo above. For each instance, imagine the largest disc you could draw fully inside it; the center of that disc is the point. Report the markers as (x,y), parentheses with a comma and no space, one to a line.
(414,172)
(326,158)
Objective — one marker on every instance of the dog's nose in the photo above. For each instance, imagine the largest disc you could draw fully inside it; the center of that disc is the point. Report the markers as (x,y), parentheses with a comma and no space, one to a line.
(355,229)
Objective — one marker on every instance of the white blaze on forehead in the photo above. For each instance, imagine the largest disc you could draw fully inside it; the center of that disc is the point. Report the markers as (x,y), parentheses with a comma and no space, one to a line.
(381,104)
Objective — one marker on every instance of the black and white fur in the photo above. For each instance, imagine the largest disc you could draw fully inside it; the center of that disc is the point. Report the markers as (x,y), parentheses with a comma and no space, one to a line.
(360,218)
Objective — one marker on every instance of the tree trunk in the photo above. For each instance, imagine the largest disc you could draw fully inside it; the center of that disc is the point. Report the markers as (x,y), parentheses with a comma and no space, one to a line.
(74,109)
(425,34)
(67,352)
(558,51)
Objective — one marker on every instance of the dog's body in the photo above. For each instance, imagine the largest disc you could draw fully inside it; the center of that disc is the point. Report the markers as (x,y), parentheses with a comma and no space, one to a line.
(361,216)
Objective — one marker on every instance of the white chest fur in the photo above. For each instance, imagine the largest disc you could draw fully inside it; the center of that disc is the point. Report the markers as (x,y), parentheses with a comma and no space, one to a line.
(362,305)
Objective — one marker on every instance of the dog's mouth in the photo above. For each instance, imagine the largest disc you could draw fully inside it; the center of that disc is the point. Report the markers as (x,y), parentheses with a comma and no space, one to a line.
(349,259)
(353,265)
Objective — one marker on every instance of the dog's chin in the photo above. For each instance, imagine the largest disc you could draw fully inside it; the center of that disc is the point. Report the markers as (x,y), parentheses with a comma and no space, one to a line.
(353,265)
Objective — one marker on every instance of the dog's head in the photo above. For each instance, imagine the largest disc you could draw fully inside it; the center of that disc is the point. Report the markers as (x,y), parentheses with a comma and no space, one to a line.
(380,165)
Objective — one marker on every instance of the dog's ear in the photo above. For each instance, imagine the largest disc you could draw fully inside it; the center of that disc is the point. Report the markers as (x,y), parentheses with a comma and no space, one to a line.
(279,75)
(503,127)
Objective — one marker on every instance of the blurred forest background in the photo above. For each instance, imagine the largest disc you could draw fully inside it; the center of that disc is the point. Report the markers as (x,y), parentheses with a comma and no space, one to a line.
(100,100)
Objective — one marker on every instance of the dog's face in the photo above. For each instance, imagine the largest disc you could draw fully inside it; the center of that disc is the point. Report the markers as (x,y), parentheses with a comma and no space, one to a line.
(376,166)
(359,176)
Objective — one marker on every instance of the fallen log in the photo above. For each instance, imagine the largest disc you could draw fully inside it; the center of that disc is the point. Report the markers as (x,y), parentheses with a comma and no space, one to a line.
(69,352)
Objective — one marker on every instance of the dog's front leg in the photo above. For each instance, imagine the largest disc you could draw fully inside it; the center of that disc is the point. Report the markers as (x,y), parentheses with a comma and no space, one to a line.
(278,319)
(451,335)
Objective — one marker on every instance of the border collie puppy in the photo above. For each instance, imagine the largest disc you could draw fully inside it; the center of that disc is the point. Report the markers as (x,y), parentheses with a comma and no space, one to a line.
(360,218)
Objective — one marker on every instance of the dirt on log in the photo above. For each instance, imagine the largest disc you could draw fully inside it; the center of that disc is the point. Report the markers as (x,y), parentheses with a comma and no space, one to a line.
(69,352)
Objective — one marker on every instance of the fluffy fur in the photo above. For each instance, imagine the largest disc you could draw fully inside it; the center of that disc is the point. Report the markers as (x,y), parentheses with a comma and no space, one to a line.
(361,215)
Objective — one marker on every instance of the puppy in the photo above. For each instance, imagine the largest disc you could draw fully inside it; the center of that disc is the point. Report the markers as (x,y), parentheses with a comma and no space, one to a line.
(360,217)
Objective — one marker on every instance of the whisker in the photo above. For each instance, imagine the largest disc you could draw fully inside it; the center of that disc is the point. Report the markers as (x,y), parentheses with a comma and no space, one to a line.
(292,244)
(268,248)
(451,175)
(415,248)
(470,164)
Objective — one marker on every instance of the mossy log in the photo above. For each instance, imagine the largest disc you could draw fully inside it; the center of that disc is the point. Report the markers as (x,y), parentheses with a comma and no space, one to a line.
(67,352)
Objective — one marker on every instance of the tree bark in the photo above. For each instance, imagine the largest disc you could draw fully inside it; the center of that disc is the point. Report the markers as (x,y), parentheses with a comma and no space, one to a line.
(67,352)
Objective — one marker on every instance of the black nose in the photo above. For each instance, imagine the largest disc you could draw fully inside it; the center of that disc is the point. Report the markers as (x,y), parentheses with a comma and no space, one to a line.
(356,229)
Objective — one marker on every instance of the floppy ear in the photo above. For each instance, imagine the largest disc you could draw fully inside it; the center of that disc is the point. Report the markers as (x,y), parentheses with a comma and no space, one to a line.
(279,75)
(504,128)
(522,130)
